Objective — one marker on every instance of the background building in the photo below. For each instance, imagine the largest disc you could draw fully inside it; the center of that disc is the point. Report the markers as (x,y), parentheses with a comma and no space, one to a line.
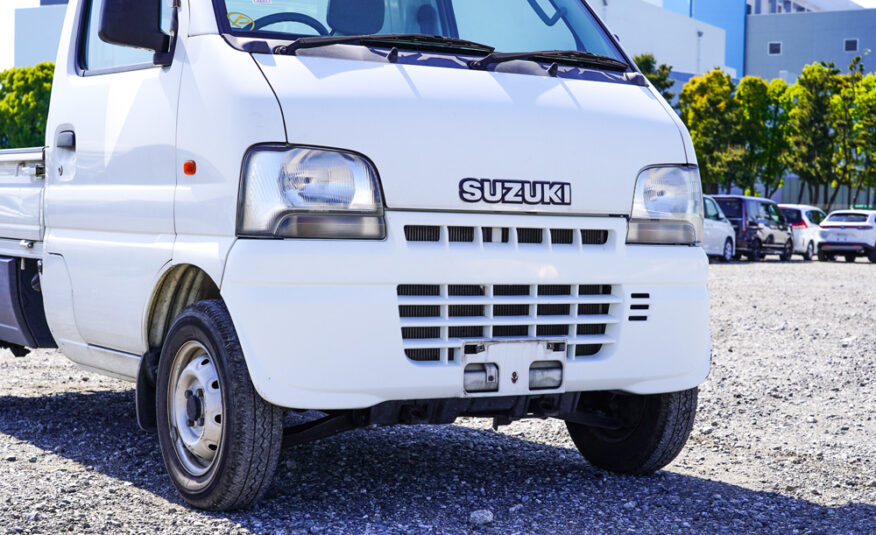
(30,31)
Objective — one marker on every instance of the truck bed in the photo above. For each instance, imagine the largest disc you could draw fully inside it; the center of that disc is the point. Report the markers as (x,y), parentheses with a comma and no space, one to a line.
(22,178)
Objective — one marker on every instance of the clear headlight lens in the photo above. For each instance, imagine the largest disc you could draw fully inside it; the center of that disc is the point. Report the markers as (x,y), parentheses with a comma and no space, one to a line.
(667,207)
(303,192)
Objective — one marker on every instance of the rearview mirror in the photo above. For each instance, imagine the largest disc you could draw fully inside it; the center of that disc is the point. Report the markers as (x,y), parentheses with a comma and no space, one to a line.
(134,23)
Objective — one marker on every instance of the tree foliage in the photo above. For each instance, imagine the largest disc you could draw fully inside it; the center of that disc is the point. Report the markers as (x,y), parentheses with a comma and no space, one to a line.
(713,118)
(864,117)
(24,105)
(658,75)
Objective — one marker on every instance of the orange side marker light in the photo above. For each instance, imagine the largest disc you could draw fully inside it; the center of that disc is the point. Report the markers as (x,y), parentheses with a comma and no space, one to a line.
(190,167)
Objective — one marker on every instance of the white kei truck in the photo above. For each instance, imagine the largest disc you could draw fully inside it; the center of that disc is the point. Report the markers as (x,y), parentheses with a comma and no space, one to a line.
(389,211)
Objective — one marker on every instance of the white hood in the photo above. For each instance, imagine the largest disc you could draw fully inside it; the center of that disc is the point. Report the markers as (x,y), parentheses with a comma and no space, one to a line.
(428,128)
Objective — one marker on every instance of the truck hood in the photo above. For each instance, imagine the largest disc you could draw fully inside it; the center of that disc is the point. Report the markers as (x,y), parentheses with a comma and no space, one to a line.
(427,129)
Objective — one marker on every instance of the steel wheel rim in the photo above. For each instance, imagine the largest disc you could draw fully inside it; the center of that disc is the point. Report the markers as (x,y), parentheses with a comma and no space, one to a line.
(194,408)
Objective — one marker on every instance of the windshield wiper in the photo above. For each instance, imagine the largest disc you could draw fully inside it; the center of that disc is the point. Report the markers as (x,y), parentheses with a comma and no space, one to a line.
(573,57)
(415,41)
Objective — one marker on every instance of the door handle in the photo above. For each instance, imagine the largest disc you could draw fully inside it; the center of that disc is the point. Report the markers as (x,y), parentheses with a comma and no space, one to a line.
(66,140)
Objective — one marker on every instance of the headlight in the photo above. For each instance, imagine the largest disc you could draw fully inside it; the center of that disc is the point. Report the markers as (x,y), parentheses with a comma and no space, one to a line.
(303,192)
(667,207)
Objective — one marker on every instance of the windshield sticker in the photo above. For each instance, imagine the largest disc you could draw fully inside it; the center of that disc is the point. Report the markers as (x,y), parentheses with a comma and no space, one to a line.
(240,21)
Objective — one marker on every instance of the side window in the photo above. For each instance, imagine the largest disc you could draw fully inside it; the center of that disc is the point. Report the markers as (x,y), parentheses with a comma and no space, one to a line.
(757,210)
(95,54)
(711,211)
(815,216)
(774,213)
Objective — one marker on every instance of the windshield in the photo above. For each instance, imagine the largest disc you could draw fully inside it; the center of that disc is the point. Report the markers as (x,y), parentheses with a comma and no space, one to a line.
(847,218)
(506,25)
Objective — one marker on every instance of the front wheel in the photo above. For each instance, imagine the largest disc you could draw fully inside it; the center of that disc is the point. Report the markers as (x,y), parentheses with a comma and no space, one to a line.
(810,252)
(220,440)
(654,430)
(728,251)
(787,251)
(756,253)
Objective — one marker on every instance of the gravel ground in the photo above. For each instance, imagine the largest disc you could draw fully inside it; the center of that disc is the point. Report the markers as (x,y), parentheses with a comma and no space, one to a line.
(785,442)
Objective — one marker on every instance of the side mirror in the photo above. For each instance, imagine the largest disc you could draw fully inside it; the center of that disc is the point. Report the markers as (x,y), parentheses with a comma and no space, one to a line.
(134,23)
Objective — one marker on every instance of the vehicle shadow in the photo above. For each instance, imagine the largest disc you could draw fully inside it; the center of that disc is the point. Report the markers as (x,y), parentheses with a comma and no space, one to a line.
(426,479)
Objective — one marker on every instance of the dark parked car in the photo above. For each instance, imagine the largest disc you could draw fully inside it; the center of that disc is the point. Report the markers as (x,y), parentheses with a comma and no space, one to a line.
(760,227)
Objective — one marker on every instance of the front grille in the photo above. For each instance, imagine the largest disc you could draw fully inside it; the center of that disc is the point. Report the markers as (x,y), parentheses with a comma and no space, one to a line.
(437,319)
(461,235)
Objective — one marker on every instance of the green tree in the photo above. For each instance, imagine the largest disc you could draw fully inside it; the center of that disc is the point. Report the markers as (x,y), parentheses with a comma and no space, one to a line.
(763,130)
(811,138)
(864,116)
(24,105)
(842,122)
(658,75)
(712,116)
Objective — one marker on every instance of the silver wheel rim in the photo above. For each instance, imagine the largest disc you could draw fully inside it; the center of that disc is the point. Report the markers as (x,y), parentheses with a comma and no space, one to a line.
(728,251)
(194,405)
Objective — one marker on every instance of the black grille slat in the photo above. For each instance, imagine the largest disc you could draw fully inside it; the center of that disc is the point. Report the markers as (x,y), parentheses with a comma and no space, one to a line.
(419,290)
(530,235)
(552,330)
(594,237)
(424,355)
(594,289)
(419,311)
(461,234)
(587,350)
(466,332)
(592,310)
(422,233)
(562,236)
(508,331)
(553,310)
(421,333)
(466,311)
(593,329)
(510,310)
(554,289)
(465,290)
(511,290)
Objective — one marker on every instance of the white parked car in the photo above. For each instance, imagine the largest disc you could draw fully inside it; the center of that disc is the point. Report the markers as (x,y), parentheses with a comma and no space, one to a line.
(850,234)
(719,237)
(804,220)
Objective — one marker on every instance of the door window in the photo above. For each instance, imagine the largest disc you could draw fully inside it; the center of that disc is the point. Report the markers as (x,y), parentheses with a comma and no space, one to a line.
(97,55)
(816,216)
(774,214)
(711,210)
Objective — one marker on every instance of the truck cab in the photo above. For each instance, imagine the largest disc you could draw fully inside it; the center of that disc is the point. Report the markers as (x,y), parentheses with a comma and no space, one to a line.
(394,212)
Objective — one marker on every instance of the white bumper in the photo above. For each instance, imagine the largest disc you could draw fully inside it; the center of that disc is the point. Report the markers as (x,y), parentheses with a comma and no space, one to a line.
(319,321)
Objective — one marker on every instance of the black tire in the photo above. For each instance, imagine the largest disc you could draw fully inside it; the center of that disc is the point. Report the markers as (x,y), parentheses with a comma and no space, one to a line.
(825,257)
(851,257)
(728,251)
(755,254)
(872,255)
(787,251)
(248,449)
(655,431)
(809,254)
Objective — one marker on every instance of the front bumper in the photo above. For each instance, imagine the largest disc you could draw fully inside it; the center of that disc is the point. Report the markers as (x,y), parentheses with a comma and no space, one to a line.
(319,321)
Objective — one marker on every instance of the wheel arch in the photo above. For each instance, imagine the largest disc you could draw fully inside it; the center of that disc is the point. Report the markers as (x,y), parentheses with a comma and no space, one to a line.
(180,286)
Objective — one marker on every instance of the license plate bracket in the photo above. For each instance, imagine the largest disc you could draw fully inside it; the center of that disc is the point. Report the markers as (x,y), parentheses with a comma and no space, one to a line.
(514,358)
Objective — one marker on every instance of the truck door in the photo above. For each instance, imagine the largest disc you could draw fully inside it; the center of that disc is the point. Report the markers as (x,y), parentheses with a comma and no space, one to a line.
(109,197)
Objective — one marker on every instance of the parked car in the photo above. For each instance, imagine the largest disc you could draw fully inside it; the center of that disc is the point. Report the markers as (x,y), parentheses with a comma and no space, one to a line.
(804,220)
(760,227)
(719,236)
(848,233)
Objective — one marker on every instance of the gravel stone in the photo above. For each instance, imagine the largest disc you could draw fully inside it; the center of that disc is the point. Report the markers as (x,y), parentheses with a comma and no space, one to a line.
(778,362)
(481,517)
